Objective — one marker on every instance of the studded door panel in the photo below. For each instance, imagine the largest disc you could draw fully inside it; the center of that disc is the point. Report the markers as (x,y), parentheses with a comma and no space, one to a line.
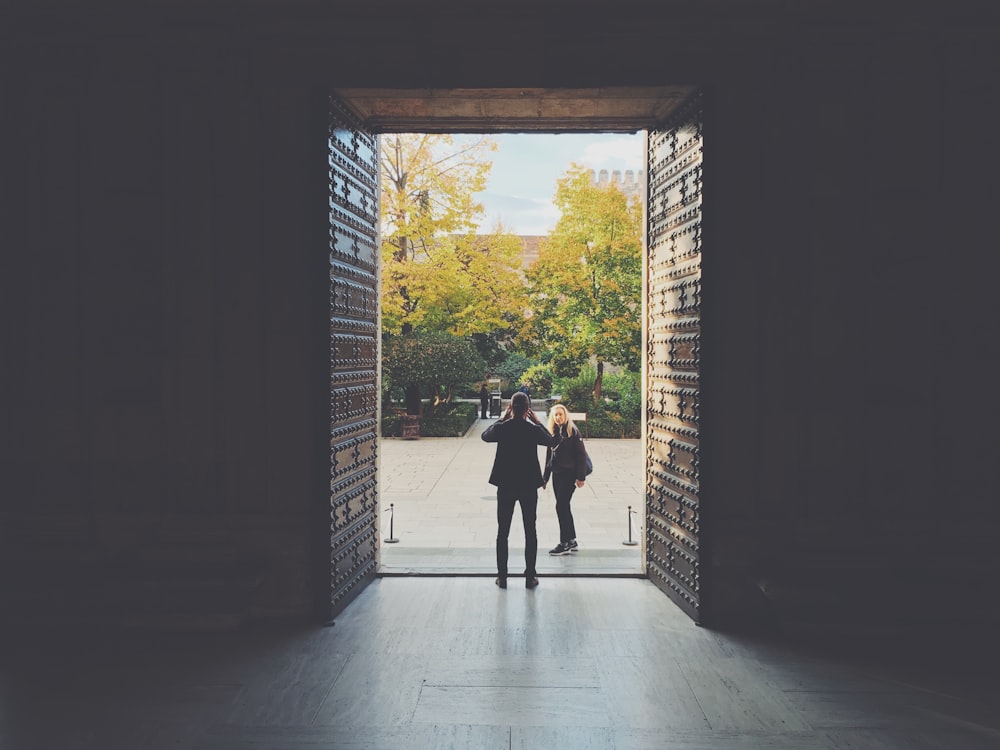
(354,354)
(673,330)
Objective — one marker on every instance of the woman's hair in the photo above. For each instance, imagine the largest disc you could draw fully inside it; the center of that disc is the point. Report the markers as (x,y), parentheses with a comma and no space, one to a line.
(552,420)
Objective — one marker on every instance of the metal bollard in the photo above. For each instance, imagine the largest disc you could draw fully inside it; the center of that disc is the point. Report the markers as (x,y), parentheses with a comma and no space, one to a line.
(392,517)
(630,542)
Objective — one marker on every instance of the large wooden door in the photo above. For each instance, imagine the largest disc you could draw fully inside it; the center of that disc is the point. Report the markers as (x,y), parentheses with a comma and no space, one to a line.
(354,355)
(672,334)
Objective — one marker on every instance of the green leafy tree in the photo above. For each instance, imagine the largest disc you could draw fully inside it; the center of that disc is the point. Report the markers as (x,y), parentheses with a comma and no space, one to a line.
(585,289)
(492,346)
(429,364)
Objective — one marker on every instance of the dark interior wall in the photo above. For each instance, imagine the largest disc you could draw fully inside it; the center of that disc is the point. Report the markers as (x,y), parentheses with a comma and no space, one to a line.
(164,265)
(847,306)
(165,350)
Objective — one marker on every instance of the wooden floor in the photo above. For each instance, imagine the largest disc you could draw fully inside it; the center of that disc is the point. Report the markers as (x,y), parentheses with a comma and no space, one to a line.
(458,663)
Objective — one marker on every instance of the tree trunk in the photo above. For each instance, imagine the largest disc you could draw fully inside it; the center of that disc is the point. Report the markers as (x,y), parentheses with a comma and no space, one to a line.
(598,382)
(403,251)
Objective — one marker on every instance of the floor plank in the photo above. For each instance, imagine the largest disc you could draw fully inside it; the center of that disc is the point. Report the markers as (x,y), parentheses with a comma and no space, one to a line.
(650,694)
(288,693)
(374,692)
(735,698)
(512,671)
(514,706)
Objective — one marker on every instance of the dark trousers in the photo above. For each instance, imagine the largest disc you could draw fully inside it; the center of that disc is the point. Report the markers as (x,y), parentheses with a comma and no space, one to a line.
(506,499)
(483,406)
(563,485)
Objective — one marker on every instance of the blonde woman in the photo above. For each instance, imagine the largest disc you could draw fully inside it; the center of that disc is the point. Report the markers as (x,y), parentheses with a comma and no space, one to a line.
(566,464)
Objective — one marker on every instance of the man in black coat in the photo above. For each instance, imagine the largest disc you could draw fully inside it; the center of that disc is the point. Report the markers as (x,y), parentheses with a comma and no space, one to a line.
(517,476)
(484,401)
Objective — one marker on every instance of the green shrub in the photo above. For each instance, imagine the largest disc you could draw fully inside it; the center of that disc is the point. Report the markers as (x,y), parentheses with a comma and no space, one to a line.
(618,415)
(577,393)
(623,394)
(392,425)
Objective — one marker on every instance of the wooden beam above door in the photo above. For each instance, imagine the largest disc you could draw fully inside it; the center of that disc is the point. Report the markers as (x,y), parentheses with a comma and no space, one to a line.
(491,110)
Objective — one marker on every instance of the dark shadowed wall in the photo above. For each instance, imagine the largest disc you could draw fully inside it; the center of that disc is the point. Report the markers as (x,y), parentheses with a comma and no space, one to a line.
(165,345)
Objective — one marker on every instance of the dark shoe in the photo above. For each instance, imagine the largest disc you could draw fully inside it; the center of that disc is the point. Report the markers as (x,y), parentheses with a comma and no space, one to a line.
(501,582)
(573,546)
(530,583)
(560,549)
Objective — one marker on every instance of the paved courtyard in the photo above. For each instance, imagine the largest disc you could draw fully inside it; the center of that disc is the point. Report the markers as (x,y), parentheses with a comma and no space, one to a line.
(443,509)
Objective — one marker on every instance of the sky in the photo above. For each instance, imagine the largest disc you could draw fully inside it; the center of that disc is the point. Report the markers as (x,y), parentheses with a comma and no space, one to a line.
(526,166)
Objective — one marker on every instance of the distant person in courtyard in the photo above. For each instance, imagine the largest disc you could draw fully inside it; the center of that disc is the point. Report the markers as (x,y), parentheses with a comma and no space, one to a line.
(484,401)
(517,477)
(566,465)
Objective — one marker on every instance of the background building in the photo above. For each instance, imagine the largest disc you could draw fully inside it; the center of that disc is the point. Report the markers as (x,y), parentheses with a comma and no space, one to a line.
(631,183)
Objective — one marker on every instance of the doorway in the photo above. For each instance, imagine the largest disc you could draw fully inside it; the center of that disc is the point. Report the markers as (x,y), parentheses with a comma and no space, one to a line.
(476,229)
(672,119)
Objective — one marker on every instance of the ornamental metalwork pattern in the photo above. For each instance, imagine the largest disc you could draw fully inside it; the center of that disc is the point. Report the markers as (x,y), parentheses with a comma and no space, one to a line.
(354,353)
(673,331)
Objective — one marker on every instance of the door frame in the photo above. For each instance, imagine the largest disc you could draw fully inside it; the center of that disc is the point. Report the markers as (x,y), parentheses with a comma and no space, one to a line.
(667,541)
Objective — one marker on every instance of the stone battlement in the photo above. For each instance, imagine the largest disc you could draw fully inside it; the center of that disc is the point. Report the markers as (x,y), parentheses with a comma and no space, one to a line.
(604,178)
(631,182)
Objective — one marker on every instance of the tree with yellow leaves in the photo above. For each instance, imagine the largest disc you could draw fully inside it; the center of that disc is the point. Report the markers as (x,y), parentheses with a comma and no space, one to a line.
(585,288)
(438,274)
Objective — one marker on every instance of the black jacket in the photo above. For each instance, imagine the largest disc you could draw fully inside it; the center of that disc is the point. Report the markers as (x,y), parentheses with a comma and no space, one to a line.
(516,461)
(567,454)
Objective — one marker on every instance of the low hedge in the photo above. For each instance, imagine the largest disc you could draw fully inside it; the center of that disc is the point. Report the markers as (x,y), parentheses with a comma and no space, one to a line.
(602,423)
(449,420)
(609,426)
(454,422)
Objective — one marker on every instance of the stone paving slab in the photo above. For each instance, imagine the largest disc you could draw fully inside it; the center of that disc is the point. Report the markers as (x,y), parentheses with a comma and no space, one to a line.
(443,509)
